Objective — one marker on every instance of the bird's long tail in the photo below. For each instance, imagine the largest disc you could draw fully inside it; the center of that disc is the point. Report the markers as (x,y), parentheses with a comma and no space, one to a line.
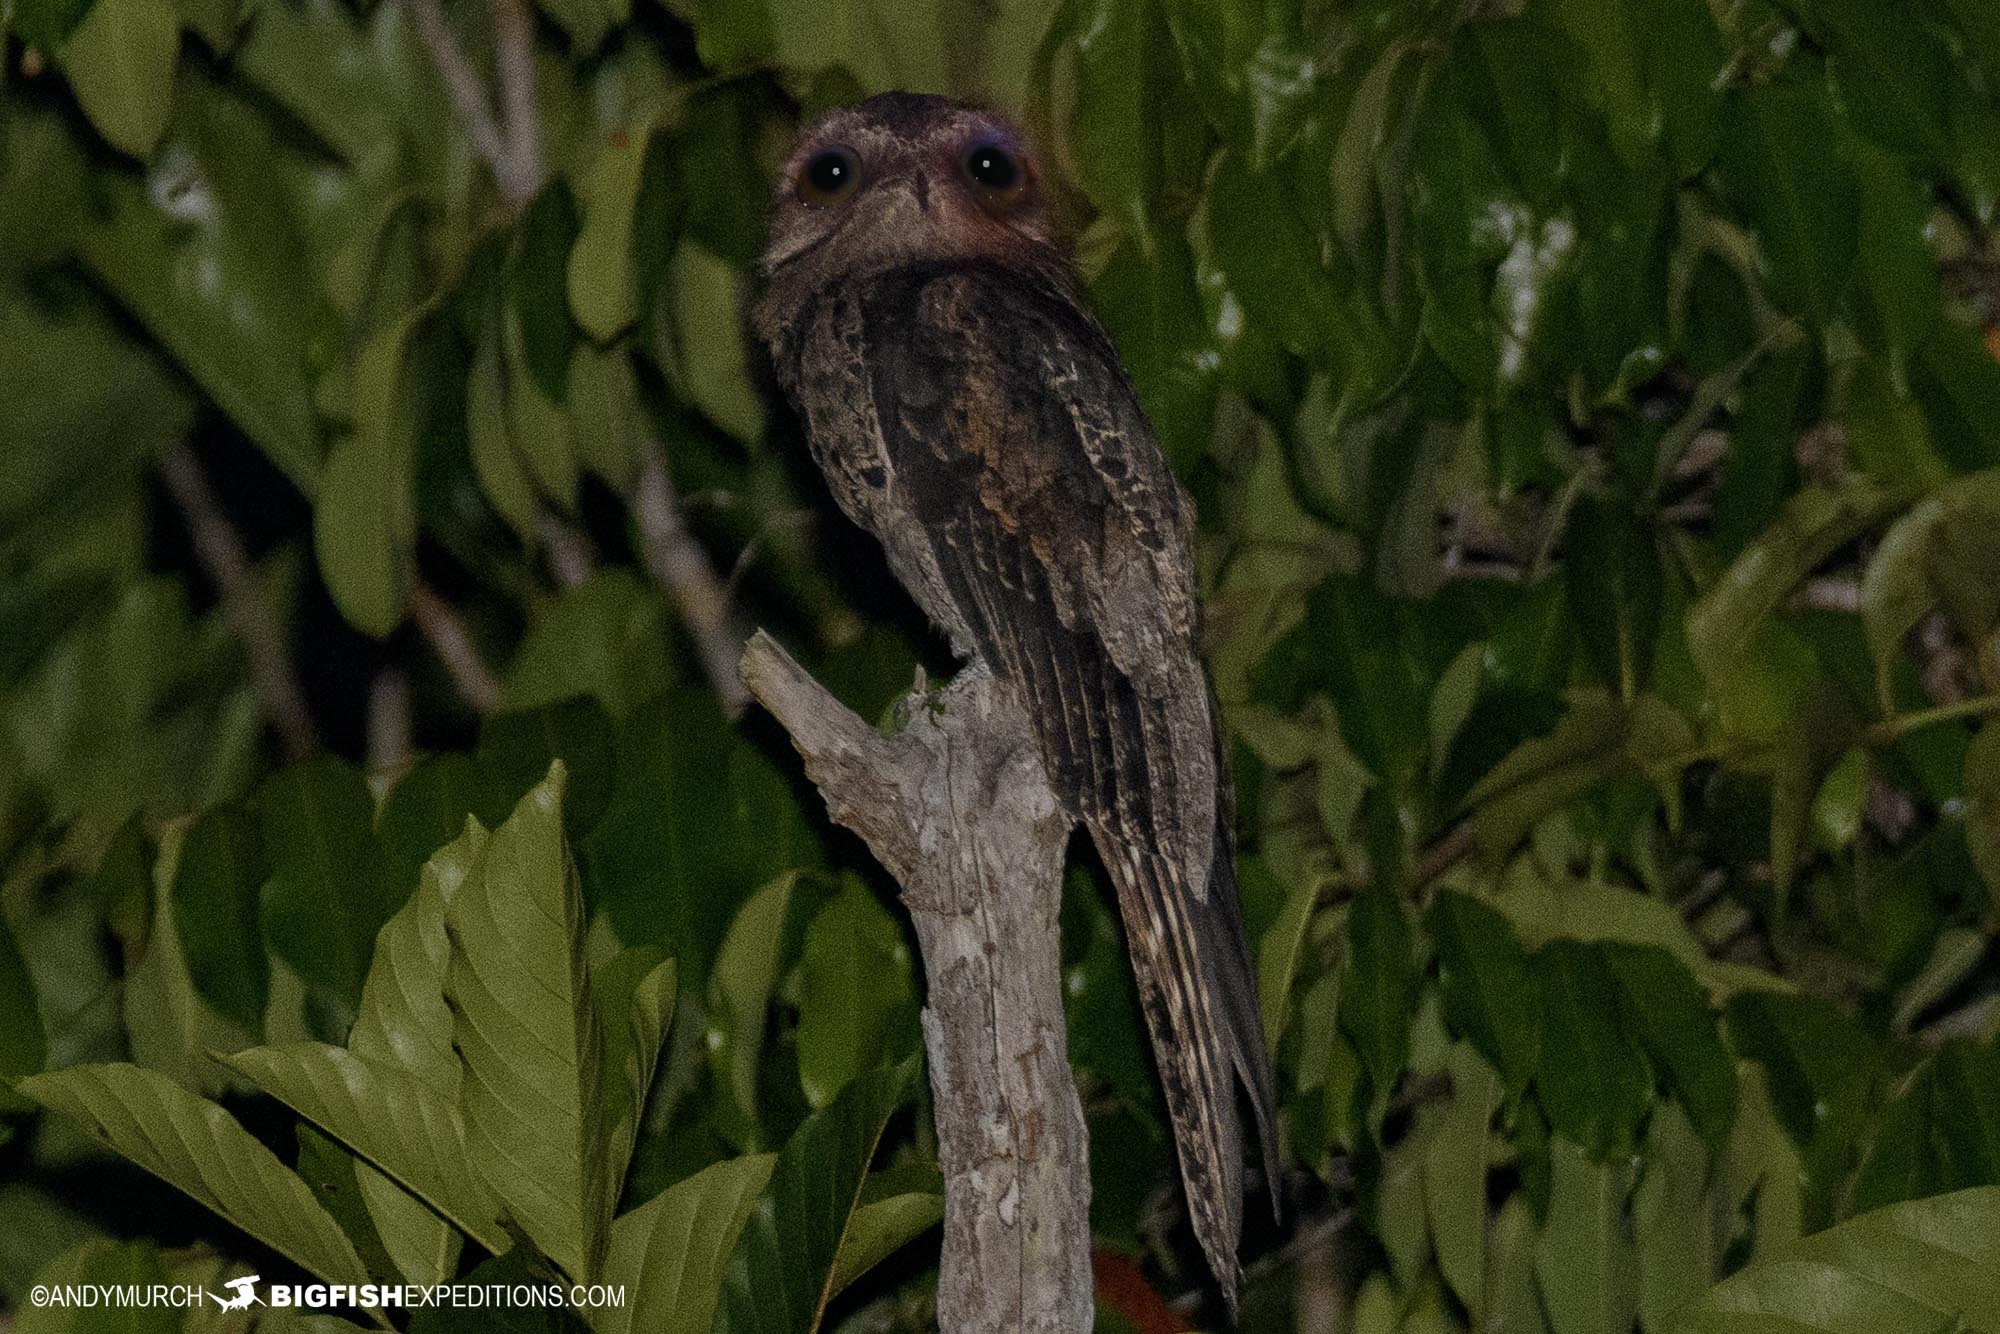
(1199,994)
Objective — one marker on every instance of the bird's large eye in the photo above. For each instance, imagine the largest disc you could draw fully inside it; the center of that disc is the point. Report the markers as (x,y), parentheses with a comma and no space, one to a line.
(829,176)
(997,171)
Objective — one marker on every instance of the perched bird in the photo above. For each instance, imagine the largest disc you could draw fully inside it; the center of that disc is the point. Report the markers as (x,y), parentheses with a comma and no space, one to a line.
(970,413)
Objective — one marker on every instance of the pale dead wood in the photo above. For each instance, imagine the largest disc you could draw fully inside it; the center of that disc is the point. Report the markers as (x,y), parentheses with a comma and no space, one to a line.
(957,806)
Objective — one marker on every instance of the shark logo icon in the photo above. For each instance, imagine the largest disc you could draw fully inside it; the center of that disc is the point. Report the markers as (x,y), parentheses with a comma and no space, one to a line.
(242,1294)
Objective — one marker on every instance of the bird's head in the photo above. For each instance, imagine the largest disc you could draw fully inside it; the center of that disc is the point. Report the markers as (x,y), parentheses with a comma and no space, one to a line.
(905,177)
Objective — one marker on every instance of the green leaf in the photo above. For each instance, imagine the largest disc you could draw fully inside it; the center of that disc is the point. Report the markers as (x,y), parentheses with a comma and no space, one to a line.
(746,970)
(404,1020)
(364,524)
(1886,432)
(857,1003)
(1931,1265)
(711,366)
(1488,988)
(196,1147)
(388,1116)
(326,897)
(1269,257)
(1598,1088)
(1818,732)
(1672,1219)
(1982,805)
(207,256)
(606,419)
(489,436)
(1112,125)
(669,1253)
(1584,1263)
(529,1034)
(217,878)
(1780,167)
(603,279)
(1278,952)
(1816,523)
(1612,567)
(606,638)
(1899,272)
(170,1027)
(120,62)
(1940,553)
(1893,75)
(781,1274)
(881,1228)
(1821,1065)
(515,750)
(1940,1133)
(1379,986)
(634,995)
(1546,773)
(43,24)
(23,1043)
(1455,1162)
(698,820)
(1511,1300)
(1660,1003)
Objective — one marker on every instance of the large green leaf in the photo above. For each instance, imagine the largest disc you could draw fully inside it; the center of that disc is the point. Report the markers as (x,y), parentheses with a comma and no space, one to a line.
(669,1253)
(1931,1265)
(529,1034)
(206,254)
(23,1044)
(388,1116)
(326,897)
(195,1146)
(404,1019)
(364,526)
(219,874)
(1379,984)
(1455,1160)
(782,1272)
(1661,1004)
(120,62)
(857,1001)
(1939,554)
(1583,1258)
(1489,990)
(634,995)
(1802,198)
(1816,523)
(1594,1084)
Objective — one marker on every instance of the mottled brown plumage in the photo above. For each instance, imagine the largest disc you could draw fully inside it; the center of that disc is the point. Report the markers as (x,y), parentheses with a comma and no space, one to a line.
(969,412)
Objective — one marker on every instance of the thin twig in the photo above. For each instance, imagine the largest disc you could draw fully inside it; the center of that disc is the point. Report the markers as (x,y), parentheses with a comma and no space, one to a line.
(568,549)
(1891,730)
(514,55)
(220,549)
(389,723)
(463,85)
(679,565)
(448,637)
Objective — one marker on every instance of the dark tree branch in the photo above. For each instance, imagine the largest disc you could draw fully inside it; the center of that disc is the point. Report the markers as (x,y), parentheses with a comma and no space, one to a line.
(220,550)
(957,806)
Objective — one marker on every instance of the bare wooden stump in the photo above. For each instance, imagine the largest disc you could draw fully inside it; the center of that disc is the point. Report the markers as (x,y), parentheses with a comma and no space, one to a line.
(957,807)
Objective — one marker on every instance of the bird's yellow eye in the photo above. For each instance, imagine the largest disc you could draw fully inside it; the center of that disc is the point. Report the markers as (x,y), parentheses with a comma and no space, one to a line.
(997,171)
(829,176)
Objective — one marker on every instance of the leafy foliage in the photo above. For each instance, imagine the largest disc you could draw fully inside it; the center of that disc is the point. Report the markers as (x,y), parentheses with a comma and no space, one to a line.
(1593,411)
